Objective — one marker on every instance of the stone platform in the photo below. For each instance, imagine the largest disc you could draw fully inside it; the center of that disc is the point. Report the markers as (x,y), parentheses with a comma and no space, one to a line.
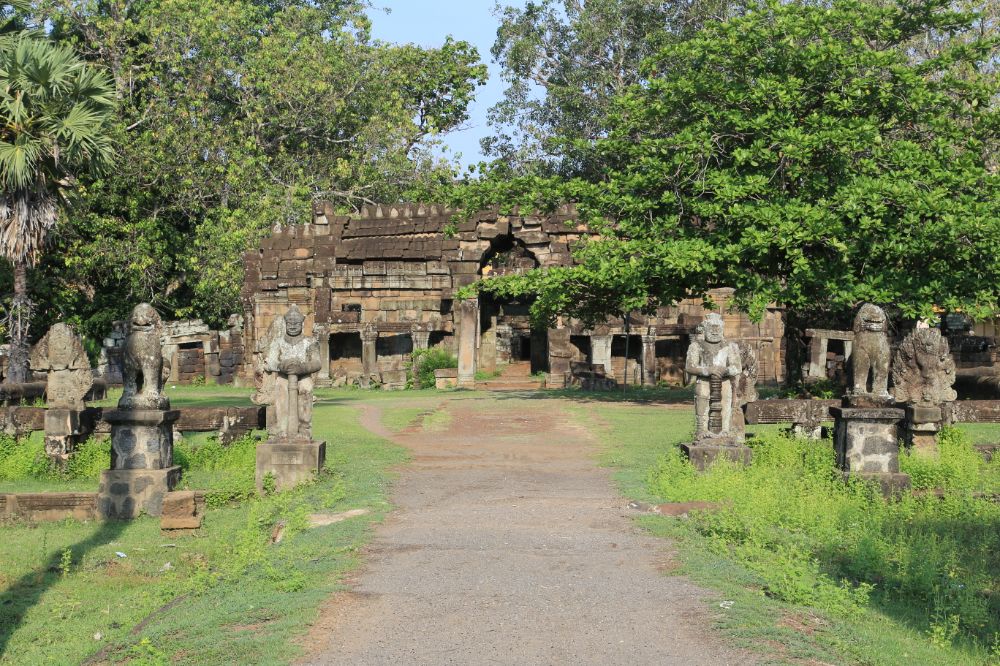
(128,493)
(290,460)
(866,442)
(703,454)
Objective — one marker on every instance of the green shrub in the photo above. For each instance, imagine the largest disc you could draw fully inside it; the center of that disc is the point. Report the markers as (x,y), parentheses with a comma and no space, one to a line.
(24,459)
(90,458)
(236,462)
(814,540)
(426,361)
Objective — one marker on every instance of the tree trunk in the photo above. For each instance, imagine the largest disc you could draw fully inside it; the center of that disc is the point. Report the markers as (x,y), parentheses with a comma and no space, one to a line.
(18,323)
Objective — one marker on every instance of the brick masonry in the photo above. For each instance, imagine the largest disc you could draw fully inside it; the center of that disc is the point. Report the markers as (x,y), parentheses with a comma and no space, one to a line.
(395,271)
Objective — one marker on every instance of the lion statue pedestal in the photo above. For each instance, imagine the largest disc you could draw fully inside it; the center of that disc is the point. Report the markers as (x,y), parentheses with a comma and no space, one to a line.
(866,428)
(142,428)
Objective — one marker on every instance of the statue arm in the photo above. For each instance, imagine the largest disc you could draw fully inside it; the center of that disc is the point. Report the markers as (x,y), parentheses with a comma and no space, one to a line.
(692,365)
(734,368)
(313,362)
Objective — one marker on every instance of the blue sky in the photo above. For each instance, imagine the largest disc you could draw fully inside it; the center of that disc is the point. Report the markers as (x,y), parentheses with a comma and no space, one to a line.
(427,23)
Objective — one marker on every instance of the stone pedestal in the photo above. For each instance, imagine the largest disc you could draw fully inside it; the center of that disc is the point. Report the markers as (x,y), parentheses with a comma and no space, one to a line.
(291,460)
(62,433)
(703,453)
(922,426)
(866,441)
(142,463)
(142,438)
(129,493)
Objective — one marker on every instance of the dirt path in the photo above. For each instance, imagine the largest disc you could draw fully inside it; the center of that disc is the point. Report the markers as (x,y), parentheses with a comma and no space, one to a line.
(510,546)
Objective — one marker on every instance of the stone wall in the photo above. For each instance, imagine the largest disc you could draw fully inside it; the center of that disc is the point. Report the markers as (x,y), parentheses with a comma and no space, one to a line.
(192,352)
(375,286)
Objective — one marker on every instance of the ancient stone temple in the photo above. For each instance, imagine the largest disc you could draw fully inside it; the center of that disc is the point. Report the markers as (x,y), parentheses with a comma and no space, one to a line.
(69,377)
(724,379)
(923,373)
(376,286)
(142,443)
(866,428)
(290,361)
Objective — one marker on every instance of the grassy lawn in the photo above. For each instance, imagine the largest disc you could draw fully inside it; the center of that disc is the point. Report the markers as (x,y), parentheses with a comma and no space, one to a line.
(221,595)
(816,571)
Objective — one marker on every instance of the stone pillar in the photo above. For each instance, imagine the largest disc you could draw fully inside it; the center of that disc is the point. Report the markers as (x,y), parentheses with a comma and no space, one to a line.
(504,337)
(488,351)
(142,463)
(322,335)
(369,356)
(421,339)
(817,357)
(561,352)
(468,329)
(600,351)
(866,441)
(922,426)
(649,357)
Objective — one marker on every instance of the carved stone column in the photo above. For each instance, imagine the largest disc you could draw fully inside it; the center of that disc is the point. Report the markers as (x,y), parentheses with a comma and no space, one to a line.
(369,355)
(468,329)
(600,351)
(649,357)
(322,334)
(421,338)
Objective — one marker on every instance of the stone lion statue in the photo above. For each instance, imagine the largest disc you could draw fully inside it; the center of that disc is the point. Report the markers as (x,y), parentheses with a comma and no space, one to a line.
(143,360)
(923,370)
(870,356)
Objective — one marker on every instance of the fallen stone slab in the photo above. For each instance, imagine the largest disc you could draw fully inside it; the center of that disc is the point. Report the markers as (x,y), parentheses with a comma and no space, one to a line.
(324,519)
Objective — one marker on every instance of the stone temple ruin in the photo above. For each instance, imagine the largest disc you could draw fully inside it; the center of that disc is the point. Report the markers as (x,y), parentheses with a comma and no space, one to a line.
(377,286)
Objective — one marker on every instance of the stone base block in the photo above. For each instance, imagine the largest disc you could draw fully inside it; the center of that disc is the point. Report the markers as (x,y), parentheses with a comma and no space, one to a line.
(183,510)
(127,493)
(45,507)
(867,439)
(290,461)
(703,455)
(891,484)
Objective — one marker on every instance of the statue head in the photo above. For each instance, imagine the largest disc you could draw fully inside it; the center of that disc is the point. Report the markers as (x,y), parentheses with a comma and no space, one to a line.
(293,322)
(928,340)
(870,318)
(144,318)
(714,328)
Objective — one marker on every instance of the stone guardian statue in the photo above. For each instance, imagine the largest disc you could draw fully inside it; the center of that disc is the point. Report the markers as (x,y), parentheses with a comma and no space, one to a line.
(871,355)
(292,359)
(716,366)
(923,370)
(143,374)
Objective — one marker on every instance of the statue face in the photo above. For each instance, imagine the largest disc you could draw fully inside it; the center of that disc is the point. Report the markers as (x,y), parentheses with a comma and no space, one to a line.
(713,332)
(144,317)
(870,318)
(293,327)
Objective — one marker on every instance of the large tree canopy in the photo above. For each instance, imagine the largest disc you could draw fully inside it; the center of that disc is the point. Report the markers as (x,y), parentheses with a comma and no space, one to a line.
(800,154)
(233,116)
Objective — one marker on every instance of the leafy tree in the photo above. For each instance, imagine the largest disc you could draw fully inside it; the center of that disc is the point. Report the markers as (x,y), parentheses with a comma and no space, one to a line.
(799,154)
(55,111)
(233,117)
(564,61)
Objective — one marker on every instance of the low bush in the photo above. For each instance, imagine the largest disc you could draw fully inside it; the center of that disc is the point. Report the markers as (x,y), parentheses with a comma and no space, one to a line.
(426,361)
(814,540)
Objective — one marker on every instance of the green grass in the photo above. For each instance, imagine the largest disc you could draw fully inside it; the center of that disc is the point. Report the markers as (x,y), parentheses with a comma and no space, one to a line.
(192,396)
(818,569)
(221,595)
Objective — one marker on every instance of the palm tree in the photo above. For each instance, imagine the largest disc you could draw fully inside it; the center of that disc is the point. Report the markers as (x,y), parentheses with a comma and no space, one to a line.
(55,112)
